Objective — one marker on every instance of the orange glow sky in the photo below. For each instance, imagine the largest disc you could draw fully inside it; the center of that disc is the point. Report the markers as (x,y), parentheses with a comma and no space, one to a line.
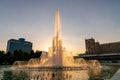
(34,20)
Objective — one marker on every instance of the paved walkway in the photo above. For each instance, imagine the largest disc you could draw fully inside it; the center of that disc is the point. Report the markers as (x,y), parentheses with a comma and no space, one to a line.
(116,76)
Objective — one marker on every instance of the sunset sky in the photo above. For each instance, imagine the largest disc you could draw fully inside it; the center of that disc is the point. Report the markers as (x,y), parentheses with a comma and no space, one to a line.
(34,20)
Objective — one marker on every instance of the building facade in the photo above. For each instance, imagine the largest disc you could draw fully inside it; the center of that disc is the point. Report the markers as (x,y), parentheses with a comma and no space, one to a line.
(93,47)
(20,44)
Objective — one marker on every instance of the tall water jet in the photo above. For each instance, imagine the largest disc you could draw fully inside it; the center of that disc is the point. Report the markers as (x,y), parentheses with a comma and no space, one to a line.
(56,57)
(57,44)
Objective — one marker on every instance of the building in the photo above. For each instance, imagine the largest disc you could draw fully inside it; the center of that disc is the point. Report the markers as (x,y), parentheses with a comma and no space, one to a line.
(93,47)
(20,44)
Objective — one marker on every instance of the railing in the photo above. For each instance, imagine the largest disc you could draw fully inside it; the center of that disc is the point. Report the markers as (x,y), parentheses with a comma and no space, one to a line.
(91,55)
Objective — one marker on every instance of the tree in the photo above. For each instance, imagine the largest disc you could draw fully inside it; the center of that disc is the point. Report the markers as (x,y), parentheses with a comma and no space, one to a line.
(2,57)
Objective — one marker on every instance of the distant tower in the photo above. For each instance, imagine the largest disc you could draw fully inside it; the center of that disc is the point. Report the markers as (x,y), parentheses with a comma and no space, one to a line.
(90,46)
(57,43)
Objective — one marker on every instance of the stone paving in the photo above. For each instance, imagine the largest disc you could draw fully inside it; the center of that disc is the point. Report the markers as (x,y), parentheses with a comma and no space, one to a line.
(116,76)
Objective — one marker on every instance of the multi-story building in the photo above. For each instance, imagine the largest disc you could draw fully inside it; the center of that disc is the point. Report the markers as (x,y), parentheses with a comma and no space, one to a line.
(93,47)
(20,44)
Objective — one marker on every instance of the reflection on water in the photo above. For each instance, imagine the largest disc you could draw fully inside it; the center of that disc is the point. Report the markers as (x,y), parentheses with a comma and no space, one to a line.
(36,74)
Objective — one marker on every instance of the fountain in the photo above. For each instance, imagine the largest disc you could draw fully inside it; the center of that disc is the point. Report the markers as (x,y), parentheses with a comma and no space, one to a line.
(56,57)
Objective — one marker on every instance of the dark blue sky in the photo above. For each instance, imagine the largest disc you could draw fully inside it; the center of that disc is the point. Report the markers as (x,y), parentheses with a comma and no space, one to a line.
(80,19)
